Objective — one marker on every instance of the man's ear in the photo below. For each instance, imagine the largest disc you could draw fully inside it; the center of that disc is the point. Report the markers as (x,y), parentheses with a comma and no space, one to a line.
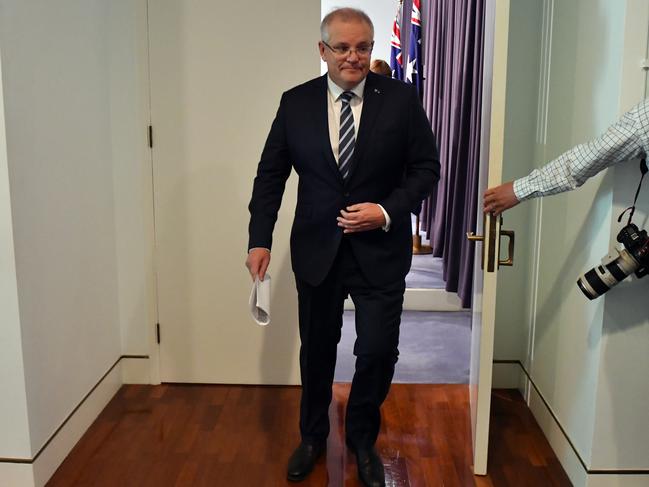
(321,49)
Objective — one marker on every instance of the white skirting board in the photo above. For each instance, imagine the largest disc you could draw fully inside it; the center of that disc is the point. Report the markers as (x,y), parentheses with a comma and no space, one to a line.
(618,481)
(16,475)
(67,437)
(560,445)
(425,300)
(510,375)
(136,370)
(37,471)
(568,458)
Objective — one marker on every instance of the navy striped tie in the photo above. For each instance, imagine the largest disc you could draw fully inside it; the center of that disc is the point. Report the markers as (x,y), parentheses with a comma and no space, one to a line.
(347,135)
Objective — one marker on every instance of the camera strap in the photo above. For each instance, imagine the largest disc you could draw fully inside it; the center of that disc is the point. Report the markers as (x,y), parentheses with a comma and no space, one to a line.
(643,170)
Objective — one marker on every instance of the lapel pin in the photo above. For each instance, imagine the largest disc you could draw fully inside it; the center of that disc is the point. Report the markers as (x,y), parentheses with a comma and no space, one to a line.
(377,91)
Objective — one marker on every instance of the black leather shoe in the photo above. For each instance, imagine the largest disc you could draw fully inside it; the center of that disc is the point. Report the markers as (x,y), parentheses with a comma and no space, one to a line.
(302,460)
(370,467)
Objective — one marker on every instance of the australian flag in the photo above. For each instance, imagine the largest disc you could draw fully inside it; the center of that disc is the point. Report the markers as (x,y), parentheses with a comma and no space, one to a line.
(396,60)
(414,72)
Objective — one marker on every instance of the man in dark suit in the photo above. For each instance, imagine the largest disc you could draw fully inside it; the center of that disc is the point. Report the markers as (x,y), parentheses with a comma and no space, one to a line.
(365,155)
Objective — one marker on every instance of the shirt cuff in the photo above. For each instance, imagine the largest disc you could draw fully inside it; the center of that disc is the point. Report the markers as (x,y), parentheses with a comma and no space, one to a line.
(388,222)
(522,189)
(255,248)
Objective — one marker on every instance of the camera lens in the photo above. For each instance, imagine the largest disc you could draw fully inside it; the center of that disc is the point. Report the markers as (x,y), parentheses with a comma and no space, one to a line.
(601,278)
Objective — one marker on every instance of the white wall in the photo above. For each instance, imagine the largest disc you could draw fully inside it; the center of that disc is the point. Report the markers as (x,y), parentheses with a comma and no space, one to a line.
(588,358)
(622,431)
(57,80)
(621,435)
(14,440)
(575,227)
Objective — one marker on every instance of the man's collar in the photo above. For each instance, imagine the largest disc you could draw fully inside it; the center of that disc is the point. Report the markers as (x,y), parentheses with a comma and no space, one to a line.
(336,90)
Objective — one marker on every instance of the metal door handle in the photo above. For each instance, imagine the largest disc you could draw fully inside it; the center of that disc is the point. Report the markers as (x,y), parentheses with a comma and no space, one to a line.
(509,261)
(472,237)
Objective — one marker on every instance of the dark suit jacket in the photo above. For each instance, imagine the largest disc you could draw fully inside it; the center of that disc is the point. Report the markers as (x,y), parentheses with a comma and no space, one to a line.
(395,164)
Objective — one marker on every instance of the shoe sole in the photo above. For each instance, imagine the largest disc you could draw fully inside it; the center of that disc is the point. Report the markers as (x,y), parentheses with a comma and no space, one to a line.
(292,478)
(295,478)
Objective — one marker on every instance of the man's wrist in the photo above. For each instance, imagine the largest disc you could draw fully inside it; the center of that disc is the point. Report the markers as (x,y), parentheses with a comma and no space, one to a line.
(255,248)
(388,221)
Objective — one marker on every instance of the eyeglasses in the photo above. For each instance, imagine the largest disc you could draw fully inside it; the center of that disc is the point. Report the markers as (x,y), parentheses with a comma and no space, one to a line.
(345,51)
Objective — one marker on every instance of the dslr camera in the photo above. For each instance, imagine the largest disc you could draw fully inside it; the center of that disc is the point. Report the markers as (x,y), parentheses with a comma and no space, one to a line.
(634,258)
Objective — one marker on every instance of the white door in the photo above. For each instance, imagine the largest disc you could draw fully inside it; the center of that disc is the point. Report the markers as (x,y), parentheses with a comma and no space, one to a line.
(217,73)
(487,255)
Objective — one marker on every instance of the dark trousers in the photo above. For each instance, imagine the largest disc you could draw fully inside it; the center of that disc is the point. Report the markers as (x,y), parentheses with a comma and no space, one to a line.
(378,315)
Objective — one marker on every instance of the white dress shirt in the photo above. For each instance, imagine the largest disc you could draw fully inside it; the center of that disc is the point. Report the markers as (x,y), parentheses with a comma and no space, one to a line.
(628,138)
(334,107)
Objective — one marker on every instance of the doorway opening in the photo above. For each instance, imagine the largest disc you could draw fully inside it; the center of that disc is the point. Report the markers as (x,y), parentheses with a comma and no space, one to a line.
(434,343)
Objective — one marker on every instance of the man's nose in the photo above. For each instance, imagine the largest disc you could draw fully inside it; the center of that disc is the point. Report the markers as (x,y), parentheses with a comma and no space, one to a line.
(352,57)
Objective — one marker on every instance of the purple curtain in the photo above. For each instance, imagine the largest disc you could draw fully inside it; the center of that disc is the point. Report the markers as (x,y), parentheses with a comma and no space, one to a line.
(453,53)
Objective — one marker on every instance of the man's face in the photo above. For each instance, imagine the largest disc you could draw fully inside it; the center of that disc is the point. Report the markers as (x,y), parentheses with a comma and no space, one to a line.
(350,69)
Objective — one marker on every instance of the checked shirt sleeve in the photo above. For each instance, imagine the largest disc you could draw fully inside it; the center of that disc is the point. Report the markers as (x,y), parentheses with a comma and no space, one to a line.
(626,139)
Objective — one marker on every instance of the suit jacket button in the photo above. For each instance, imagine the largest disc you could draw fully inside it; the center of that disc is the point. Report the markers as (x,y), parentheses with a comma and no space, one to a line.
(346,194)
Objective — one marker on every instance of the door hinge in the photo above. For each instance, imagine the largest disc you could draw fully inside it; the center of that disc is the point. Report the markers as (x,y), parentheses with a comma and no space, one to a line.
(151,136)
(157,332)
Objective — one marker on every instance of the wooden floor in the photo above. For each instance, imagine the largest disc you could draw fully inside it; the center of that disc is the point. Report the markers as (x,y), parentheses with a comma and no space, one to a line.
(229,436)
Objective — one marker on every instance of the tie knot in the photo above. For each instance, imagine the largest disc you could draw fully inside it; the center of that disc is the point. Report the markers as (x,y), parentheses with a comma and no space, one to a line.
(346,96)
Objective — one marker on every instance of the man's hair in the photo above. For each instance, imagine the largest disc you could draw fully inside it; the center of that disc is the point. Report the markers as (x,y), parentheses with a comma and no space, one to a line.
(346,14)
(379,66)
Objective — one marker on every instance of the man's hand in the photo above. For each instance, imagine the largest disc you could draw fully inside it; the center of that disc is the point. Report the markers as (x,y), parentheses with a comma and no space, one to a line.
(361,218)
(500,198)
(257,262)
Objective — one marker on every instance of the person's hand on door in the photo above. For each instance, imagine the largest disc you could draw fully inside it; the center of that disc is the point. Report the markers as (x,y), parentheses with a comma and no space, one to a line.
(500,198)
(257,262)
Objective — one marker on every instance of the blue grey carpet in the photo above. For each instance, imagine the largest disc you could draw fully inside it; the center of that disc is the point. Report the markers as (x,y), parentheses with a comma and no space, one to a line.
(434,348)
(426,270)
(425,273)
